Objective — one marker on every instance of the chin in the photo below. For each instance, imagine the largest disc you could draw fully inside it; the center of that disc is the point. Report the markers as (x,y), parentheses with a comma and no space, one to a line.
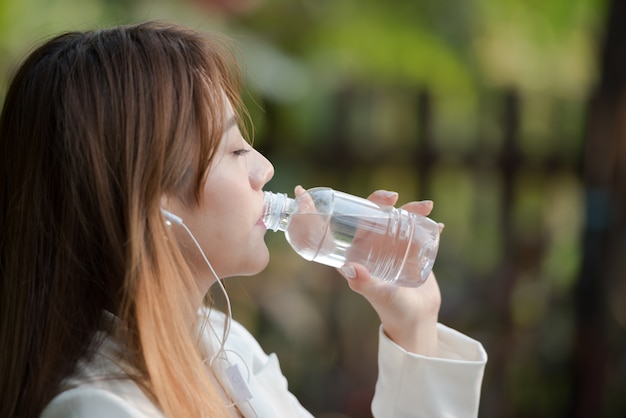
(256,265)
(261,266)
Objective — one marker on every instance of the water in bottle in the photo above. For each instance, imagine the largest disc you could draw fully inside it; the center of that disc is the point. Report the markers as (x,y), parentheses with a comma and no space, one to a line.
(332,228)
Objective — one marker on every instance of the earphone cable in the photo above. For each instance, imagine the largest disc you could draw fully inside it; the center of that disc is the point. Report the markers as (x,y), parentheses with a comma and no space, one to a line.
(222,288)
(222,352)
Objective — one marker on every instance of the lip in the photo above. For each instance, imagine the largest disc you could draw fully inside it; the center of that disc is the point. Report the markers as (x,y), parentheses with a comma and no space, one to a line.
(260,221)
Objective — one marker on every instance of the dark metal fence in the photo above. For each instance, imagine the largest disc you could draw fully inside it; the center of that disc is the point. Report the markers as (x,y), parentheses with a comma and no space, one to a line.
(520,302)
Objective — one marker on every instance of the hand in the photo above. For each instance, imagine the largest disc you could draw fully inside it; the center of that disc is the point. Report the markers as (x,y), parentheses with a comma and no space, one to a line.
(408,315)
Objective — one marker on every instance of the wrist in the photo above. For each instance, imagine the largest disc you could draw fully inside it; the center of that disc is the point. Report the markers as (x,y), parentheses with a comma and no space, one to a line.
(421,338)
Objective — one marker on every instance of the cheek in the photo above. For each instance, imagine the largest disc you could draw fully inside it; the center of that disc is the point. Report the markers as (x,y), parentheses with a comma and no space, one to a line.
(235,250)
(223,241)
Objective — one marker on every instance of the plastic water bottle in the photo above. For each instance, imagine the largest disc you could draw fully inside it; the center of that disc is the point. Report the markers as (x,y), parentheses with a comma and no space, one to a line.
(332,228)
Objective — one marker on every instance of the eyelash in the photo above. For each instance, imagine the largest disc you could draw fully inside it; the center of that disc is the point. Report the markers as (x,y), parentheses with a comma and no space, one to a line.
(241,152)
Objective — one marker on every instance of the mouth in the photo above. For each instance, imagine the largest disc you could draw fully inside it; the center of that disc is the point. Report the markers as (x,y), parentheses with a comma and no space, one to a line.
(261,220)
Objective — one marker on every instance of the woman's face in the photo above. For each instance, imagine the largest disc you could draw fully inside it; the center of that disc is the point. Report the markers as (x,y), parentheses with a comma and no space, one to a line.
(228,221)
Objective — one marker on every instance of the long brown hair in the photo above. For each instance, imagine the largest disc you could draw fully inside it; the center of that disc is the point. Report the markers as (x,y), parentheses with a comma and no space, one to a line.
(96,127)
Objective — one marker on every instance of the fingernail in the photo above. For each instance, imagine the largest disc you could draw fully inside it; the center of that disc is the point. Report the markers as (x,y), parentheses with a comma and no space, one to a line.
(388,195)
(348,272)
(427,203)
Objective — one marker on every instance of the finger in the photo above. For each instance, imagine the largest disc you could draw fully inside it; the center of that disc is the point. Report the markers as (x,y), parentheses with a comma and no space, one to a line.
(422,208)
(359,278)
(384,197)
(305,203)
(299,190)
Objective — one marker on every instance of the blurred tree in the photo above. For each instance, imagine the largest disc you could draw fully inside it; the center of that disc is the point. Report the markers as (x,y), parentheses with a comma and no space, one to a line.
(603,269)
(457,58)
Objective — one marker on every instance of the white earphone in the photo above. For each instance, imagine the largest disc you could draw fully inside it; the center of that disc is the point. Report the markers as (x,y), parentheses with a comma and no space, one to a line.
(169,216)
(241,392)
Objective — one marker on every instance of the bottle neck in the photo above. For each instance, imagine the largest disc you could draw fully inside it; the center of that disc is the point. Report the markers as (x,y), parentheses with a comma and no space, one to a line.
(278,211)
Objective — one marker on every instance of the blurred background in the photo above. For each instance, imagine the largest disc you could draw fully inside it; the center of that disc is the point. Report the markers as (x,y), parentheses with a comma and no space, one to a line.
(509,114)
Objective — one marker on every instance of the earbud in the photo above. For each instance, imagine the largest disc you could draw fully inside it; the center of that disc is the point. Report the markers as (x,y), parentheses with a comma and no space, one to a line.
(170,217)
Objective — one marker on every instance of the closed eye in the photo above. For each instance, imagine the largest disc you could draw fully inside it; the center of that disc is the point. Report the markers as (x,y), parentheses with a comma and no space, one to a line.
(242,151)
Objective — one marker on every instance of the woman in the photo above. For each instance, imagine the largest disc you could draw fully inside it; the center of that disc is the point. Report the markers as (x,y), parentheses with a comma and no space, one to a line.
(127,192)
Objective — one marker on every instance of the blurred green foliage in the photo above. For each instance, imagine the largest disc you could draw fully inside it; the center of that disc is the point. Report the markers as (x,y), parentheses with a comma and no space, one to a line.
(508,288)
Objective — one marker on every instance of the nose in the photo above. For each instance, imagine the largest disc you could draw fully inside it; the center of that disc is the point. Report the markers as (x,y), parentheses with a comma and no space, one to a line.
(262,172)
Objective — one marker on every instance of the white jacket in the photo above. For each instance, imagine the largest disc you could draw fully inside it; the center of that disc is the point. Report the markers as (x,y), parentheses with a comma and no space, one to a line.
(408,385)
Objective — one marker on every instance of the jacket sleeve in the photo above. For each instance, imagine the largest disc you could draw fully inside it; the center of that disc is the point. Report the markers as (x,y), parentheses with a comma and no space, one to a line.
(91,402)
(411,385)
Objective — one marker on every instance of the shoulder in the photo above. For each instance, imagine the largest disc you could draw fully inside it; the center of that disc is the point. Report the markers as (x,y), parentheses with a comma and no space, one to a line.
(93,402)
(100,388)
